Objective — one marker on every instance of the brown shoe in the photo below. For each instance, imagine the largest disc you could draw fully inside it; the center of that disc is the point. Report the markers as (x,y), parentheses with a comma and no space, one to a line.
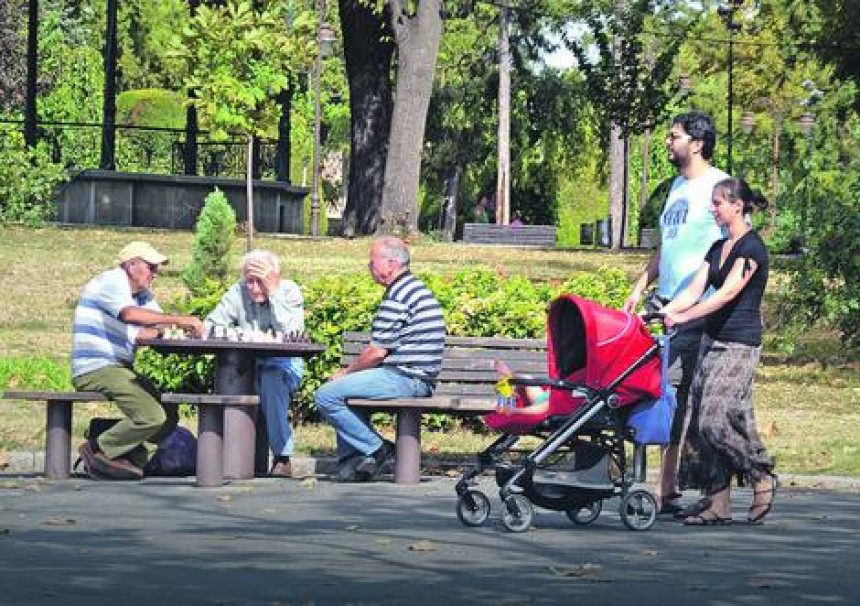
(100,466)
(283,468)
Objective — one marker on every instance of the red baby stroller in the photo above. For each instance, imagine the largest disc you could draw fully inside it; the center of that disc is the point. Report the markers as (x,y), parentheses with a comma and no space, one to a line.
(603,365)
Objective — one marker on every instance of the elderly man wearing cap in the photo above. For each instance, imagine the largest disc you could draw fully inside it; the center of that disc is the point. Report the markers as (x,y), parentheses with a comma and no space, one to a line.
(116,309)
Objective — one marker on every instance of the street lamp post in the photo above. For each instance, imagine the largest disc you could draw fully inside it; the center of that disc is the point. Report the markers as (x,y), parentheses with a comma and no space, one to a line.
(806,123)
(727,12)
(325,39)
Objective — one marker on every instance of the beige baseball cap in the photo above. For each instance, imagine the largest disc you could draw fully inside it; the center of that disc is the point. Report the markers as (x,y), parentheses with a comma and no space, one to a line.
(141,250)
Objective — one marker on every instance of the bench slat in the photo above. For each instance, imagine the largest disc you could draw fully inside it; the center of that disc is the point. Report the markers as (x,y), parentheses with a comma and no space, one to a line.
(446,404)
(55,396)
(209,399)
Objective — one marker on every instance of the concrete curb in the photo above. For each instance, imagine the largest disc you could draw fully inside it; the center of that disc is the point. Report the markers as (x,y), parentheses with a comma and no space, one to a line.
(30,462)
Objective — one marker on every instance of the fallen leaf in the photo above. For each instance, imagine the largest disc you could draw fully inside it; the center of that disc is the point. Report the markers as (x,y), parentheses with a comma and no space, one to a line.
(309,483)
(433,448)
(650,552)
(60,521)
(423,546)
(771,429)
(587,569)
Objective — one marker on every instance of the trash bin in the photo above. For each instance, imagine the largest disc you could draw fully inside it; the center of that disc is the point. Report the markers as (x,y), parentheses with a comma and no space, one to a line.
(586,234)
(603,232)
(647,237)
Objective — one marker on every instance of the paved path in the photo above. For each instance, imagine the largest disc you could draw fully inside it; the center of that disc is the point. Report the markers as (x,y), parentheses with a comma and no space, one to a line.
(317,542)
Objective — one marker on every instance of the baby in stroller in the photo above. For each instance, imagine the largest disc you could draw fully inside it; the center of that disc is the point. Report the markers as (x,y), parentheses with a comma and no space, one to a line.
(600,362)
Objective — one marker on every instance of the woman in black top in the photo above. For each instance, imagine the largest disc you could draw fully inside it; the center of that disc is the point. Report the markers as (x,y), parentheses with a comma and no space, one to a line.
(721,440)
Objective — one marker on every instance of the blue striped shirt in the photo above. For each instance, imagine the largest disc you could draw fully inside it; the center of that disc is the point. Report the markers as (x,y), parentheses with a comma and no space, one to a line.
(409,325)
(99,337)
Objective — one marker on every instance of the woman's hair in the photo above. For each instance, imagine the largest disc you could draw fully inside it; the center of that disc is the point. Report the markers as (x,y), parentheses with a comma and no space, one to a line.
(735,188)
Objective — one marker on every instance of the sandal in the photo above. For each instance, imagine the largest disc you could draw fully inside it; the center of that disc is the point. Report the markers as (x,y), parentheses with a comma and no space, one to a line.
(693,510)
(758,519)
(707,518)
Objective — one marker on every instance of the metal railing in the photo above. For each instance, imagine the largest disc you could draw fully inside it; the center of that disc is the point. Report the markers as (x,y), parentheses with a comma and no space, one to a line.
(159,150)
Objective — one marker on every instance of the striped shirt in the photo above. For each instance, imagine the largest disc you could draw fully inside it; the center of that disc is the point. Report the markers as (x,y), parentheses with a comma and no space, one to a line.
(99,337)
(409,325)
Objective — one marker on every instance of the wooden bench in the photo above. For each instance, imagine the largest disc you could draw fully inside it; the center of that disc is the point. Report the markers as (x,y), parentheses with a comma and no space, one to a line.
(466,386)
(510,235)
(58,436)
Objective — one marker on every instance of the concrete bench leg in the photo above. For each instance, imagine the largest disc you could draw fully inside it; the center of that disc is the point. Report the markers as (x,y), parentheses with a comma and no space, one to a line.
(210,431)
(240,436)
(58,440)
(407,461)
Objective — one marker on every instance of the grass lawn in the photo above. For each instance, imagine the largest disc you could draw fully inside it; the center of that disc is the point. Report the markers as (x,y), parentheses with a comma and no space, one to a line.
(806,402)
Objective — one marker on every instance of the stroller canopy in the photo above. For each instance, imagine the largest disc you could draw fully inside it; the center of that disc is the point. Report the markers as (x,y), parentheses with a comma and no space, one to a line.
(594,345)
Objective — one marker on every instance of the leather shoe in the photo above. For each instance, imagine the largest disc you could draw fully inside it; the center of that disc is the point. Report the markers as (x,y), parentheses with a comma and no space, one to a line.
(102,467)
(372,465)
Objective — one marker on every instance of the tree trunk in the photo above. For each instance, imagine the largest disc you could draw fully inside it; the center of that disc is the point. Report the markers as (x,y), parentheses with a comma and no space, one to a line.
(249,195)
(449,210)
(617,186)
(417,36)
(503,168)
(368,51)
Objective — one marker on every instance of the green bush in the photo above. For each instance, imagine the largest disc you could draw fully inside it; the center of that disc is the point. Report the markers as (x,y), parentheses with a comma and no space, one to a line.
(213,241)
(28,179)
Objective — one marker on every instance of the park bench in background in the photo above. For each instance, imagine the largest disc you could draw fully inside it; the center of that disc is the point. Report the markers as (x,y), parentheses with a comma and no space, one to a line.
(511,235)
(466,386)
(58,436)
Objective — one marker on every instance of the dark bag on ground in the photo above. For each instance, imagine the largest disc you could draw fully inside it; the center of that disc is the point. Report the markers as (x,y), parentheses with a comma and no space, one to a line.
(176,454)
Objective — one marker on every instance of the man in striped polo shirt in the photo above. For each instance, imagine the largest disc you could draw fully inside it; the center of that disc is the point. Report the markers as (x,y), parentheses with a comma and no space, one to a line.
(402,360)
(116,309)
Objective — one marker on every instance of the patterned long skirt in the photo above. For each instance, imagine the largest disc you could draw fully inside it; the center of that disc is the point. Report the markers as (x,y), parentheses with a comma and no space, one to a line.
(721,440)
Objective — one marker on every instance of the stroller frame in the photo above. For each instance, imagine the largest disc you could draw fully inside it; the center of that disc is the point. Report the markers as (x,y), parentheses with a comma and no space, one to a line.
(583,505)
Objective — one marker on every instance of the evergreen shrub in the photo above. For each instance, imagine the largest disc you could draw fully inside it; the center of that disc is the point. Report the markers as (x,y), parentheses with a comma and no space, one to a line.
(213,241)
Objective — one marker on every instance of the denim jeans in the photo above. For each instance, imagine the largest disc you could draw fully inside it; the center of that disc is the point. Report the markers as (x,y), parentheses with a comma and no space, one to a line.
(277,381)
(354,433)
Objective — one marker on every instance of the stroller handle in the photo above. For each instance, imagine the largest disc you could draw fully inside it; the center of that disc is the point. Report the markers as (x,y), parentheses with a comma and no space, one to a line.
(547,382)
(653,316)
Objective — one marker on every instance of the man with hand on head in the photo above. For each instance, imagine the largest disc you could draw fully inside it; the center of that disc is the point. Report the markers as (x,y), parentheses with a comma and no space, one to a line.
(402,360)
(262,301)
(116,309)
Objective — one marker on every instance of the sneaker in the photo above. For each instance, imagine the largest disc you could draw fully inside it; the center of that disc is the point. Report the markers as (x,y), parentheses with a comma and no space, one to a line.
(100,466)
(372,465)
(282,468)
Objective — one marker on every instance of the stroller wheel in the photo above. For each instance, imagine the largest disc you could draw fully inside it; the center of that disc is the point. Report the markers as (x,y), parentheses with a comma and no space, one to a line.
(585,515)
(473,508)
(517,514)
(638,510)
